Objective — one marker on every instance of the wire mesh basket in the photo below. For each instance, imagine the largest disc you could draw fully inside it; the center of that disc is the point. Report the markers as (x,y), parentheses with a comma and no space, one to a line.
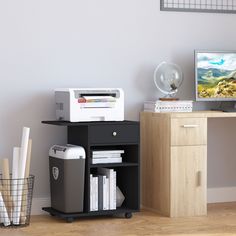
(15,201)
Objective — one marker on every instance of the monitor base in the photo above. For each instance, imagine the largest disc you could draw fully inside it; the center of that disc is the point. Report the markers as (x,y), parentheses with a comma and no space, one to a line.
(225,109)
(229,110)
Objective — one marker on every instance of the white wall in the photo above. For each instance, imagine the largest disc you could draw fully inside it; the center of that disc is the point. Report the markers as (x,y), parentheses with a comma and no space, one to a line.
(88,43)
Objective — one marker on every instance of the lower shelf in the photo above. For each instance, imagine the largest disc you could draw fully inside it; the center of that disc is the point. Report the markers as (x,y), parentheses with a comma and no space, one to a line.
(70,217)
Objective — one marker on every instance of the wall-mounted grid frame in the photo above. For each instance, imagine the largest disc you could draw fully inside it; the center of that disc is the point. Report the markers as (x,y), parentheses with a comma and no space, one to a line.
(214,6)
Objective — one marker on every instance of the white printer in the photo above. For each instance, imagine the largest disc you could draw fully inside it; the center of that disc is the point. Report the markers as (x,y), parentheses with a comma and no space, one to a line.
(89,104)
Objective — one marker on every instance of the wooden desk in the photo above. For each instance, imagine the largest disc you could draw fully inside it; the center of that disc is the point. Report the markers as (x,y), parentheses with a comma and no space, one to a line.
(174,161)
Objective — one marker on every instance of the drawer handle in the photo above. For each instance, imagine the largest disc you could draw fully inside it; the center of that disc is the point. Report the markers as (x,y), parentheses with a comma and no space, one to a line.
(190,126)
(114,134)
(199,178)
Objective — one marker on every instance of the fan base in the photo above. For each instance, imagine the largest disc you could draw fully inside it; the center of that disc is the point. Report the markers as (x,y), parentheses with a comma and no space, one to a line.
(168,99)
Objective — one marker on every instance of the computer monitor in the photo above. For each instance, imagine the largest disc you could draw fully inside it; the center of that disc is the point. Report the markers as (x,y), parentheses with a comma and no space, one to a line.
(215,75)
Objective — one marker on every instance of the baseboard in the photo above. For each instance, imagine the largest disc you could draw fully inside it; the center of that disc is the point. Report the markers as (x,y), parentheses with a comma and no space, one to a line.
(37,205)
(225,194)
(214,195)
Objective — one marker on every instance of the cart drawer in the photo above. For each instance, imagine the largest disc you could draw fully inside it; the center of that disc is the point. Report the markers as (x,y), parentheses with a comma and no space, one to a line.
(188,131)
(109,134)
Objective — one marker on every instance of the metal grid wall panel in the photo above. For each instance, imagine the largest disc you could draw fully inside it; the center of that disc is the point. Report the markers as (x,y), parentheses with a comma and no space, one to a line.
(217,6)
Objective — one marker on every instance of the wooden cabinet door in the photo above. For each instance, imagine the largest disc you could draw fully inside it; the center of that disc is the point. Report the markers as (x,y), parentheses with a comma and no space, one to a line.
(188,180)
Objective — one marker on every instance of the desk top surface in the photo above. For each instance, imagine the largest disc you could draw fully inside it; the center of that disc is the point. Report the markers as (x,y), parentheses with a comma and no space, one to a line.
(196,114)
(68,123)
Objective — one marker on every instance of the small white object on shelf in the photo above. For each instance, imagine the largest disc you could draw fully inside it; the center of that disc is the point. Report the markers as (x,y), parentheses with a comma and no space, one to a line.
(169,106)
(119,197)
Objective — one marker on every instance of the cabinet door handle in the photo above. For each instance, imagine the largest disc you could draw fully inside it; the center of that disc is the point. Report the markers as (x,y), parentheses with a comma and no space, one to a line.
(114,133)
(199,178)
(190,126)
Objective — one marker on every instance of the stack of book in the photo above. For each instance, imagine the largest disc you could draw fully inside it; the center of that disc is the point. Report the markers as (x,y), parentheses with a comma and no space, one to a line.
(169,106)
(103,190)
(107,156)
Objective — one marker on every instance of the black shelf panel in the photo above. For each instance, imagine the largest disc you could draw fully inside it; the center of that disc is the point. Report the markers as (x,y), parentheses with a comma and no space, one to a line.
(92,145)
(123,164)
(66,216)
(67,123)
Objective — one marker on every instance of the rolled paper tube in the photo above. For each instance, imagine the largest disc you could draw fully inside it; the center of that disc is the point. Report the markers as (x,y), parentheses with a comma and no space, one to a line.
(1,219)
(25,191)
(27,169)
(3,211)
(23,151)
(21,174)
(14,186)
(6,193)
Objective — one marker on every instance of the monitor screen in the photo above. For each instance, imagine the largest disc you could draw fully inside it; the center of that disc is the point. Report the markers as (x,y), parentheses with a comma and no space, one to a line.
(215,75)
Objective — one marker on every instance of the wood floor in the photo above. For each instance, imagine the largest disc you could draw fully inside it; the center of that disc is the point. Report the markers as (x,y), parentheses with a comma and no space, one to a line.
(221,221)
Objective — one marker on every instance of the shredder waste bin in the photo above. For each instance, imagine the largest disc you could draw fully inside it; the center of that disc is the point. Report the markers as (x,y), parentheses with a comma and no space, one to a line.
(67,170)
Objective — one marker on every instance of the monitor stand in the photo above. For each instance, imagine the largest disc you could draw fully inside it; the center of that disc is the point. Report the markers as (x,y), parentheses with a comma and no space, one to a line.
(226,108)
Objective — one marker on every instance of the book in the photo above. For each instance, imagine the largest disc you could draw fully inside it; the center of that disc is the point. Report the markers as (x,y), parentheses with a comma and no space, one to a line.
(106,160)
(105,193)
(114,189)
(109,173)
(112,186)
(91,192)
(95,199)
(169,106)
(107,152)
(109,155)
(101,179)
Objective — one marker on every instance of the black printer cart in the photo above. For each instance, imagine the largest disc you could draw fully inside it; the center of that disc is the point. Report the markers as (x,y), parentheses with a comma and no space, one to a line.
(107,135)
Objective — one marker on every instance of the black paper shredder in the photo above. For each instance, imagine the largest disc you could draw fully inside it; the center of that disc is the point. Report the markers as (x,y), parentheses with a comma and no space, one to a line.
(67,170)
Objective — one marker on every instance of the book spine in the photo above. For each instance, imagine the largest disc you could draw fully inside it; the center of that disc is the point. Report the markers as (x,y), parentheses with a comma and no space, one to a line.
(91,192)
(111,155)
(109,174)
(114,189)
(96,194)
(100,192)
(104,207)
(111,189)
(105,152)
(107,194)
(106,160)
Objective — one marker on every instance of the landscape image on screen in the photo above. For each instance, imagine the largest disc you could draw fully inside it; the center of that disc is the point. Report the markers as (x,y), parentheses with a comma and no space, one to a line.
(216,75)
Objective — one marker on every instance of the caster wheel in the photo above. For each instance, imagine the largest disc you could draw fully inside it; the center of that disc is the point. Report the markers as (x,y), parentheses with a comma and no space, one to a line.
(128,215)
(51,214)
(69,220)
